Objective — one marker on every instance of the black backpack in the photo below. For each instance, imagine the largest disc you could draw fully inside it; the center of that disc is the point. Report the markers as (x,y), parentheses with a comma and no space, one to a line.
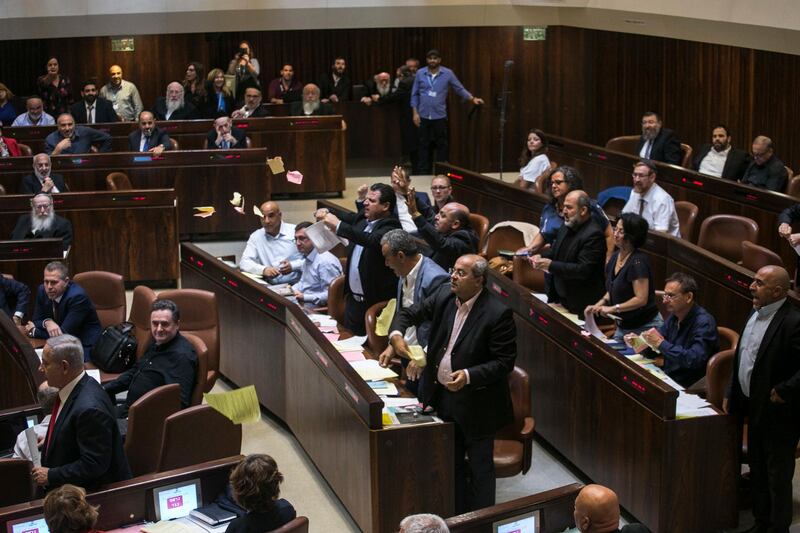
(115,350)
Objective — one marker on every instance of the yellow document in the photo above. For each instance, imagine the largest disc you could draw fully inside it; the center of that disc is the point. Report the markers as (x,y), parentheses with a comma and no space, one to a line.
(385,318)
(418,355)
(168,526)
(276,165)
(240,405)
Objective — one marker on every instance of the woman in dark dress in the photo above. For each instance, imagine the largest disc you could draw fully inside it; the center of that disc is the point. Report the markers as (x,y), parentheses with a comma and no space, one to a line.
(219,100)
(194,85)
(55,89)
(256,487)
(630,292)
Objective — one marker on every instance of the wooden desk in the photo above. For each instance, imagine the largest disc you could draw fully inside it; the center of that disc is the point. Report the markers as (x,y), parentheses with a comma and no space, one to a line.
(616,422)
(201,177)
(133,233)
(380,475)
(19,366)
(313,145)
(130,502)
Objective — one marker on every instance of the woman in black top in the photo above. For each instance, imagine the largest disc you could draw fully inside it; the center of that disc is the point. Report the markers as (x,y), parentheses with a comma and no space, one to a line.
(630,292)
(194,85)
(256,487)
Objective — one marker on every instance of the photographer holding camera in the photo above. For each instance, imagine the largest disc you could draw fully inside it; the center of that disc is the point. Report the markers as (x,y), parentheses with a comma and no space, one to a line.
(246,69)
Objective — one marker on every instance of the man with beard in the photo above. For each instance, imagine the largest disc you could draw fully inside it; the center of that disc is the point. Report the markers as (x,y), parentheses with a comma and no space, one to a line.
(381,90)
(72,139)
(42,180)
(650,201)
(174,106)
(335,85)
(123,95)
(285,88)
(719,158)
(657,143)
(576,262)
(311,104)
(252,107)
(42,222)
(35,115)
(92,109)
(148,138)
(224,136)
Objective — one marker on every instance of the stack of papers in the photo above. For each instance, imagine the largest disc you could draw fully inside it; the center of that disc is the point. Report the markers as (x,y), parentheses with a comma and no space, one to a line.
(383,388)
(351,344)
(371,370)
(691,405)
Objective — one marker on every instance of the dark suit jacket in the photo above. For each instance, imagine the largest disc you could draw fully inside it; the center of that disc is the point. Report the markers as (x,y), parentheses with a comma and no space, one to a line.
(429,277)
(12,291)
(735,164)
(61,228)
(103,111)
(187,112)
(577,273)
(296,109)
(85,447)
(76,316)
(210,109)
(666,147)
(158,136)
(237,133)
(486,348)
(447,248)
(378,280)
(327,88)
(777,366)
(30,184)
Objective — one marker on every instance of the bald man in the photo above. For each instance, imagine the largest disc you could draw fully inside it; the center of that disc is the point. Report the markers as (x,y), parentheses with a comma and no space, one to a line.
(765,388)
(172,106)
(271,251)
(123,95)
(766,170)
(450,235)
(597,511)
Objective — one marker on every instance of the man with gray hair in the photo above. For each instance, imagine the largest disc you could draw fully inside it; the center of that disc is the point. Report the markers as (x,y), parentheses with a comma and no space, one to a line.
(423,523)
(173,106)
(766,170)
(224,136)
(42,222)
(83,445)
(42,180)
(310,104)
(472,348)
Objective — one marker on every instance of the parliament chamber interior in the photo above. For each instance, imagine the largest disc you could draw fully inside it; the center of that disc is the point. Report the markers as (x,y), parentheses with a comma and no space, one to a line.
(244,193)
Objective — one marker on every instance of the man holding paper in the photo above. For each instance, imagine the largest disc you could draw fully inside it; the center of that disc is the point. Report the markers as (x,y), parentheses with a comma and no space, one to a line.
(319,270)
(271,251)
(471,350)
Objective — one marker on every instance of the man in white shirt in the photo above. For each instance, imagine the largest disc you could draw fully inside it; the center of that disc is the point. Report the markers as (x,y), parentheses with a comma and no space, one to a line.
(271,251)
(652,202)
(720,158)
(35,114)
(319,270)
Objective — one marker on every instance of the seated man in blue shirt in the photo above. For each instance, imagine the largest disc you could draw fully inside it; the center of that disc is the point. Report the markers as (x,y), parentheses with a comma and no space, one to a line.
(319,270)
(271,251)
(72,139)
(688,337)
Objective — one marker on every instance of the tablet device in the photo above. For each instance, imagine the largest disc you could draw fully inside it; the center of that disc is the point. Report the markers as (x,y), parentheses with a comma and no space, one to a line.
(177,500)
(524,523)
(29,524)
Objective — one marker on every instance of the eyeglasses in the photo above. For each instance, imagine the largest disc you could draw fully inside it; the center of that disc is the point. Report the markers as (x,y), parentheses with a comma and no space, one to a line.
(439,187)
(638,175)
(459,273)
(667,296)
(42,206)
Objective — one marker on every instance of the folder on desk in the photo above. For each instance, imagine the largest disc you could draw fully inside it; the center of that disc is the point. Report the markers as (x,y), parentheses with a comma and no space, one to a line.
(371,370)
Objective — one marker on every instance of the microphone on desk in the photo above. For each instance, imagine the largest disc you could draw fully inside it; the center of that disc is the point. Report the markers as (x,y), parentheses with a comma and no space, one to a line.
(503,101)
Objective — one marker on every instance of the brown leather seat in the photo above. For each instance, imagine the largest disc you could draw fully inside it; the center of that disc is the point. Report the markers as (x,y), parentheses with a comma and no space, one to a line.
(504,238)
(718,376)
(793,187)
(106,290)
(199,316)
(146,418)
(174,145)
(336,300)
(247,143)
(723,235)
(182,430)
(118,181)
(513,444)
(17,485)
(754,256)
(201,375)
(687,216)
(143,298)
(728,338)
(544,181)
(298,525)
(625,144)
(686,150)
(24,150)
(479,224)
(376,343)
(524,274)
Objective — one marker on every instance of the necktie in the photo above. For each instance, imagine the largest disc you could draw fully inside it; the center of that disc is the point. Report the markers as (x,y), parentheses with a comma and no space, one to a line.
(641,206)
(51,427)
(220,102)
(649,147)
(55,311)
(145,143)
(90,112)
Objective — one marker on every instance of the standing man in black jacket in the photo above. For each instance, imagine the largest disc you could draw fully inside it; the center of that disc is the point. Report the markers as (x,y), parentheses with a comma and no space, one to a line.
(367,279)
(657,143)
(449,236)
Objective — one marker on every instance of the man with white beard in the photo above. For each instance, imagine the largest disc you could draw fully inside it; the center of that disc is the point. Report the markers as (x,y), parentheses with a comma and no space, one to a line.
(173,106)
(381,90)
(311,104)
(42,222)
(42,180)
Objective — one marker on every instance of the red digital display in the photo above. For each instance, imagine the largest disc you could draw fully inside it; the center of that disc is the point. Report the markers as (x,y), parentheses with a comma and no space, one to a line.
(455,176)
(635,384)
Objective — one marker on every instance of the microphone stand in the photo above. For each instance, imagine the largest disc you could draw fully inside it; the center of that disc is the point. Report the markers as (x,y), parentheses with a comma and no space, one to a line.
(503,101)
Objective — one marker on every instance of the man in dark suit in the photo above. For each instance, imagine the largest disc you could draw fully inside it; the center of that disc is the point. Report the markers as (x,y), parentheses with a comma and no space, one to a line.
(367,279)
(766,170)
(310,104)
(657,143)
(12,291)
(42,222)
(597,511)
(92,109)
(765,388)
(42,180)
(720,158)
(576,262)
(449,236)
(83,444)
(335,85)
(174,106)
(148,138)
(224,136)
(252,107)
(62,306)
(471,351)
(401,183)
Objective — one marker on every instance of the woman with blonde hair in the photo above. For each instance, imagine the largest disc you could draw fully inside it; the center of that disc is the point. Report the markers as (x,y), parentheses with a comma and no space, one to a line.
(219,100)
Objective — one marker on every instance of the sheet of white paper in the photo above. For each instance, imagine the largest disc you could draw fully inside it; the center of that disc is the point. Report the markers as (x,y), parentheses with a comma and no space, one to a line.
(399,402)
(322,237)
(257,279)
(591,326)
(540,295)
(324,321)
(39,352)
(348,345)
(94,373)
(33,447)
